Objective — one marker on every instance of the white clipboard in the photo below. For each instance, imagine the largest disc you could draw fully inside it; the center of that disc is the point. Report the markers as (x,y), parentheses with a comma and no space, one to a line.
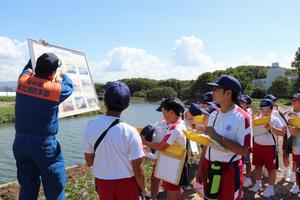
(169,164)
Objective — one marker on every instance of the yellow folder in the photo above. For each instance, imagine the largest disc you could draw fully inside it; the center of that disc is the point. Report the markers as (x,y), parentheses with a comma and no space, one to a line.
(261,121)
(295,121)
(204,140)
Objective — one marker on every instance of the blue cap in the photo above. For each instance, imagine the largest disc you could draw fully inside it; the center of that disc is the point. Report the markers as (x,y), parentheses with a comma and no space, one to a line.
(46,64)
(207,97)
(117,94)
(271,97)
(159,108)
(266,103)
(246,98)
(213,105)
(228,82)
(148,132)
(195,110)
(296,96)
(207,111)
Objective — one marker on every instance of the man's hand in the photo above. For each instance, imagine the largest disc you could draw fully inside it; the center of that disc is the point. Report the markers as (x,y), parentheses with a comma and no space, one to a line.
(44,42)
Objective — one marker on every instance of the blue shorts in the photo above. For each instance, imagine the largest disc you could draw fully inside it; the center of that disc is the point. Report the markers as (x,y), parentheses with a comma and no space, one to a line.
(39,158)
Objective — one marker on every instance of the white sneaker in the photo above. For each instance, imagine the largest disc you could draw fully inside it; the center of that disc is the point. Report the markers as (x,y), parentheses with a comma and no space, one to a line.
(286,173)
(291,178)
(148,194)
(256,187)
(279,169)
(268,192)
(295,189)
(265,172)
(247,182)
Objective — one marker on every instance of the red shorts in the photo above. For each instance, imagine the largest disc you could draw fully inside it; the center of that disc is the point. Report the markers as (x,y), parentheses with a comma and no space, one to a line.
(122,189)
(169,186)
(296,158)
(264,156)
(231,180)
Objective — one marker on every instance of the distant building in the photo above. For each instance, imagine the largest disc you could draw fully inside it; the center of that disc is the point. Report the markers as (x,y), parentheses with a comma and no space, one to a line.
(7,94)
(273,72)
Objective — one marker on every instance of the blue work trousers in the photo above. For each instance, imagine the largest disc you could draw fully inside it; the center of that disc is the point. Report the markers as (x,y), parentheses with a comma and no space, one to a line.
(39,158)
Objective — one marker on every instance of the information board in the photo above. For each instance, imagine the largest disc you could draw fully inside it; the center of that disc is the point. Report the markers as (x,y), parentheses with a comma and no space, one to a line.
(84,97)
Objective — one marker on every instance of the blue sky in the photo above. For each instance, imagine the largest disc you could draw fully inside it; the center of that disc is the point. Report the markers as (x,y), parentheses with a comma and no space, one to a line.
(195,36)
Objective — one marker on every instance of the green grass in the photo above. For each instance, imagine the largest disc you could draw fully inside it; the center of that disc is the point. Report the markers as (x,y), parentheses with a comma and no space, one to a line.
(7,98)
(84,187)
(7,114)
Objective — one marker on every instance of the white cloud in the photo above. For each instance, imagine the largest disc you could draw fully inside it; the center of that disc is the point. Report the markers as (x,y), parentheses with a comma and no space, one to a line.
(126,62)
(189,52)
(13,55)
(189,60)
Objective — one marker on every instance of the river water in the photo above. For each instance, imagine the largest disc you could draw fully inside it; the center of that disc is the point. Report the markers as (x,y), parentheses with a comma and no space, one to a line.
(70,136)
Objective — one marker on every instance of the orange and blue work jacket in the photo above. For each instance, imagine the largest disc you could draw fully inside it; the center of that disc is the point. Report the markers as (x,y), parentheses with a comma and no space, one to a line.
(37,102)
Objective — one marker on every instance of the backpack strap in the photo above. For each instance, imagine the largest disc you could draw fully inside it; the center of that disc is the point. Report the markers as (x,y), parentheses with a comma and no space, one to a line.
(104,134)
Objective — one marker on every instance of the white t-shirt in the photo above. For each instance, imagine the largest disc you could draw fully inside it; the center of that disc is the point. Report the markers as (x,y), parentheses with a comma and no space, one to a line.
(267,139)
(177,137)
(234,125)
(120,146)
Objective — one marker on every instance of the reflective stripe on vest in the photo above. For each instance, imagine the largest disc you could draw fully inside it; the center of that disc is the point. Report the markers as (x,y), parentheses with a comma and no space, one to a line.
(30,85)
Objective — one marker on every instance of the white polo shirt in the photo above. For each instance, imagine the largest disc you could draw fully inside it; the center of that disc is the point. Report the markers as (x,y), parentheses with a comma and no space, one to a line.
(120,146)
(267,138)
(176,136)
(234,125)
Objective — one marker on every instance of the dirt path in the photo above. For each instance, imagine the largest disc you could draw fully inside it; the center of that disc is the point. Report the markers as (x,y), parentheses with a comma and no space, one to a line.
(6,103)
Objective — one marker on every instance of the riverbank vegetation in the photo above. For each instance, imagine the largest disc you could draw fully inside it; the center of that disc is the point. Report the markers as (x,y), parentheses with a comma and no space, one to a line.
(192,90)
(7,114)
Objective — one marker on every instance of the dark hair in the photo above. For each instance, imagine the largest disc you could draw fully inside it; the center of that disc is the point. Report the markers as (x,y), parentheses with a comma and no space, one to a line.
(234,96)
(116,108)
(46,64)
(171,104)
(43,75)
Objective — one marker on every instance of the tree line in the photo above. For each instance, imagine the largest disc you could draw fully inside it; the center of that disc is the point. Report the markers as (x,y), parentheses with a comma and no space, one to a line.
(154,90)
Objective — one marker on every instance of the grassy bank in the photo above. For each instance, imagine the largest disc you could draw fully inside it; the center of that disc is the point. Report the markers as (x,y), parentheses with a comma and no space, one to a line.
(84,187)
(7,99)
(7,114)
